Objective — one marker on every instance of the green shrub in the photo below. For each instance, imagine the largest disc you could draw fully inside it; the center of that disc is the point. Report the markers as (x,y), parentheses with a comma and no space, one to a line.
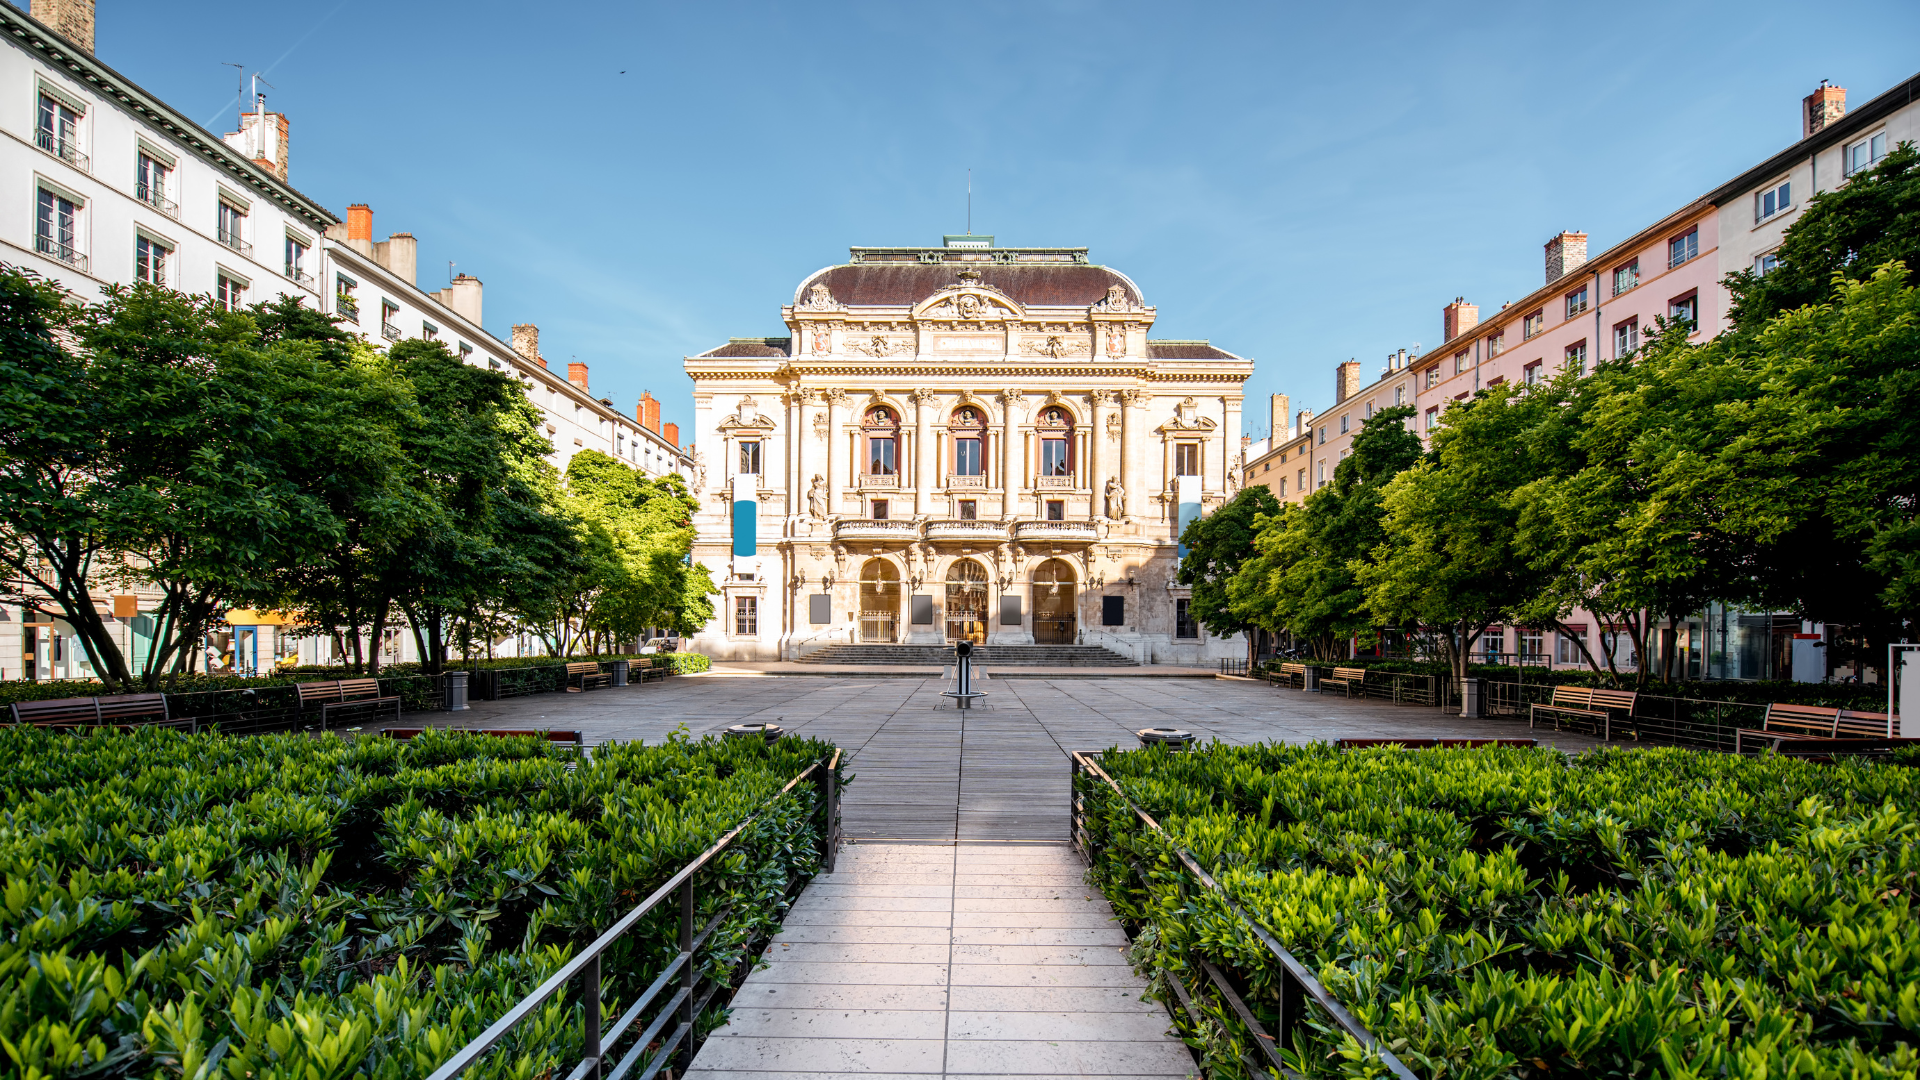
(1520,913)
(322,909)
(686,663)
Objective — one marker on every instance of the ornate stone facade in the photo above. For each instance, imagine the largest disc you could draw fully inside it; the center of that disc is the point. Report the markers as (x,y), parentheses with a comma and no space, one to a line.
(960,442)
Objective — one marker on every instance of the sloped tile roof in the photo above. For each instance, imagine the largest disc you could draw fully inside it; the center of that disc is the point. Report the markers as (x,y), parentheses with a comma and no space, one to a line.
(753,347)
(904,284)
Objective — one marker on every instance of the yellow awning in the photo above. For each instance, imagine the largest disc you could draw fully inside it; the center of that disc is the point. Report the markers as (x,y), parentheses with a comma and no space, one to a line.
(250,617)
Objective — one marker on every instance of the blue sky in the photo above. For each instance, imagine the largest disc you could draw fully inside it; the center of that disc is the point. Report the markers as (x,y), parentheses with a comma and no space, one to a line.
(1299,183)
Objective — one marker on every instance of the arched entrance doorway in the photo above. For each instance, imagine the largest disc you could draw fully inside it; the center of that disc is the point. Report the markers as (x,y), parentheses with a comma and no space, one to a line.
(1054,618)
(967,602)
(879,602)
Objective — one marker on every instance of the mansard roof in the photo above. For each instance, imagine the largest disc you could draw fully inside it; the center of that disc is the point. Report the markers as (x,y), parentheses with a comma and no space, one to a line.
(753,347)
(1171,349)
(1031,277)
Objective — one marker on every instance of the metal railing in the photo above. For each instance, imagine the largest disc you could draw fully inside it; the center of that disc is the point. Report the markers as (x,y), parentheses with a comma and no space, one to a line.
(1232,667)
(389,331)
(53,249)
(1297,988)
(687,1002)
(150,195)
(232,240)
(299,276)
(62,148)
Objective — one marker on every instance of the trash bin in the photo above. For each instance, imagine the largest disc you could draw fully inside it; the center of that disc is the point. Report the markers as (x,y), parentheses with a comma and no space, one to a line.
(456,691)
(1174,739)
(769,732)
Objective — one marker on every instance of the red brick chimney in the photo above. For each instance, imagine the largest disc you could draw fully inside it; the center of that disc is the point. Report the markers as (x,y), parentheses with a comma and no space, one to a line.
(577,374)
(648,413)
(1822,107)
(360,222)
(71,19)
(671,432)
(1457,318)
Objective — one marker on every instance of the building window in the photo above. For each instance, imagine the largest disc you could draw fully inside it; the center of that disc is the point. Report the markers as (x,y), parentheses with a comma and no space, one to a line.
(1766,264)
(879,509)
(966,457)
(1626,277)
(1433,373)
(1860,156)
(1268,467)
(1531,373)
(1569,643)
(230,227)
(1283,487)
(1343,423)
(344,300)
(1493,643)
(1626,338)
(882,433)
(1433,416)
(1771,201)
(1532,645)
(1053,457)
(428,331)
(297,262)
(229,292)
(1576,301)
(746,615)
(1683,247)
(58,132)
(150,184)
(150,260)
(1323,436)
(1399,395)
(969,510)
(1056,510)
(1577,357)
(56,229)
(466,354)
(1186,459)
(1300,482)
(1055,442)
(750,457)
(1687,308)
(1533,324)
(1496,344)
(1183,624)
(390,311)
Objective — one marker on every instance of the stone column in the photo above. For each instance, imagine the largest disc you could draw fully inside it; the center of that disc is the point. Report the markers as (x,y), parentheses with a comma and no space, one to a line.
(1229,442)
(1011,477)
(1132,435)
(1096,448)
(796,432)
(924,467)
(835,398)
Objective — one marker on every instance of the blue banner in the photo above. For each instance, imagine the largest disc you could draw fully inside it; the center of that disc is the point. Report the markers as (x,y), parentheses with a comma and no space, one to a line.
(746,515)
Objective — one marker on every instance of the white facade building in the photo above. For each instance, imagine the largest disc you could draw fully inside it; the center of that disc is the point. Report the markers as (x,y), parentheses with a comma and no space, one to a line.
(960,442)
(103,183)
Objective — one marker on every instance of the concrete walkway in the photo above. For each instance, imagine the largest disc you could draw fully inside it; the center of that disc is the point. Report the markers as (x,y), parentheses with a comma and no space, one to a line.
(963,960)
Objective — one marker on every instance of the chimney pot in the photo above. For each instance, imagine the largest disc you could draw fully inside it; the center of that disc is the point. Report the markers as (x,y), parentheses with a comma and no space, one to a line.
(71,19)
(526,341)
(462,298)
(648,412)
(1565,254)
(1277,419)
(399,253)
(360,222)
(1457,318)
(1822,107)
(577,374)
(671,432)
(1346,381)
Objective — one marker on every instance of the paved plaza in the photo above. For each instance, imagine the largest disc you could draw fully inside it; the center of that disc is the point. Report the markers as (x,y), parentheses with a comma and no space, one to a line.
(926,771)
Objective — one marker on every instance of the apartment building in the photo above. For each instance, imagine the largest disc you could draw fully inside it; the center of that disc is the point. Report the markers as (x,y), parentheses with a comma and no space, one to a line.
(101,183)
(1278,460)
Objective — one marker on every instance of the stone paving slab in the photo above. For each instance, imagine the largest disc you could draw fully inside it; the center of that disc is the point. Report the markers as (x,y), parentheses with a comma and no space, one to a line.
(1042,990)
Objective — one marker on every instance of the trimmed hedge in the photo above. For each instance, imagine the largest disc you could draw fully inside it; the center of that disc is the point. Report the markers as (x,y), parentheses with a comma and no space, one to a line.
(684,663)
(326,909)
(1842,695)
(1520,913)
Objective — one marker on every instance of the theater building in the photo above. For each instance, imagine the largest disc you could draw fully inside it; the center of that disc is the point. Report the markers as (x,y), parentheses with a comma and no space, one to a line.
(960,442)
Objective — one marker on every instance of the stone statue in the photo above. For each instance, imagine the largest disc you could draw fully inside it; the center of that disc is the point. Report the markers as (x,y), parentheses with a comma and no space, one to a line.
(1116,498)
(817,497)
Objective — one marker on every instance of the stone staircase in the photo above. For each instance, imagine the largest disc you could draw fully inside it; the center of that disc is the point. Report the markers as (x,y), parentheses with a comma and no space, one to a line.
(988,656)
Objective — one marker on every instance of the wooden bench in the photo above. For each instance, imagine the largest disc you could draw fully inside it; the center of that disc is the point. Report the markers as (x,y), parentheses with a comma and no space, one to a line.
(1424,744)
(344,694)
(1786,723)
(1346,678)
(653,670)
(122,710)
(1288,675)
(573,739)
(588,675)
(1588,703)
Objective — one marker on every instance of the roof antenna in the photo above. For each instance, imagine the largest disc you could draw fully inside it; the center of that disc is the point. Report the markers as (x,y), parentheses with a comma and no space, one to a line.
(969,202)
(240,90)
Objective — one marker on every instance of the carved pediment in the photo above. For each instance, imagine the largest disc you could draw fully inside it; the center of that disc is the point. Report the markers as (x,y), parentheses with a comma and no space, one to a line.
(1186,417)
(747,418)
(968,300)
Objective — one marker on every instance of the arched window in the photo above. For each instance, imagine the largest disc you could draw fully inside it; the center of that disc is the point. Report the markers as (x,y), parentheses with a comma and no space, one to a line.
(1056,441)
(882,429)
(968,426)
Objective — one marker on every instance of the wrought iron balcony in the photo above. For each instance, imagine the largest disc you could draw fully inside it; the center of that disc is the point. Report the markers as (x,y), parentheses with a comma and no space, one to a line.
(151,195)
(53,249)
(62,148)
(1078,530)
(389,331)
(300,277)
(348,306)
(871,529)
(233,241)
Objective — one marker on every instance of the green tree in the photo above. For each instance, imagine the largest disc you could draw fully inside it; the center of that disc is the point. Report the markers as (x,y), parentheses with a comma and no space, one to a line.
(644,525)
(1302,576)
(1872,220)
(1218,544)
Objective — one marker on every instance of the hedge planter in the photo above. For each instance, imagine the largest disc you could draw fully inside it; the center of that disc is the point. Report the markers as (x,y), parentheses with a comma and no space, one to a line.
(327,908)
(1519,913)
